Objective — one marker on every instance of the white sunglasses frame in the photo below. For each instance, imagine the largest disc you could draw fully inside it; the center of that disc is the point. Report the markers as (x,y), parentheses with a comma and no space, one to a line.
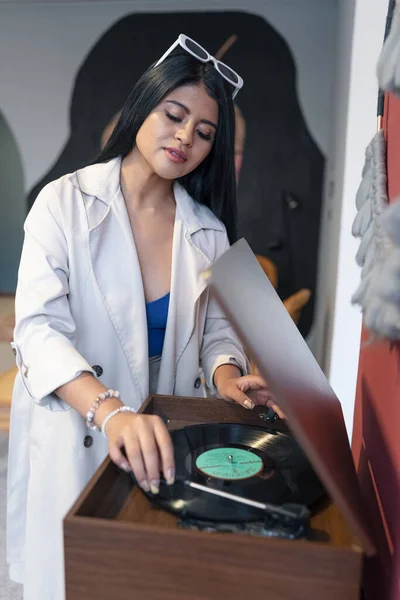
(181,41)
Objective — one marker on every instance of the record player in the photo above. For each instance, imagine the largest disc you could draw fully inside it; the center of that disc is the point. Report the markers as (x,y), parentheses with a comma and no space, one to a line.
(238,478)
(262,508)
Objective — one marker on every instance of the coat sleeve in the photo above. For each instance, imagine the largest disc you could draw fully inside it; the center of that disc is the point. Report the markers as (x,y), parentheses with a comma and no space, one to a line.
(220,344)
(45,330)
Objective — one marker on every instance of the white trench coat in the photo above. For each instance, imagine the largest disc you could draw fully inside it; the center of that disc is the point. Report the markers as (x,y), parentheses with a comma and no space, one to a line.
(79,305)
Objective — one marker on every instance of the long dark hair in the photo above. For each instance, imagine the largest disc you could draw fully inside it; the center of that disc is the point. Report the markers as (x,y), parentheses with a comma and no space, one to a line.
(213,182)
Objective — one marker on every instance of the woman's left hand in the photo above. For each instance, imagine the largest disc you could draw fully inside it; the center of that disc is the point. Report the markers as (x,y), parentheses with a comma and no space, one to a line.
(249,391)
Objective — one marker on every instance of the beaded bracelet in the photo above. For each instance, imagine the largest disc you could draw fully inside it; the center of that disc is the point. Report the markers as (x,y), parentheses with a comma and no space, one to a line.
(100,398)
(112,414)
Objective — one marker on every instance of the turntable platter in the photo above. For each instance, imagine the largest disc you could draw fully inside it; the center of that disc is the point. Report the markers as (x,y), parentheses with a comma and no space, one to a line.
(248,461)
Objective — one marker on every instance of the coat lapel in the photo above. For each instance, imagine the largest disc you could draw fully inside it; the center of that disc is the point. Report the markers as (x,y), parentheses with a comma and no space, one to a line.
(187,285)
(186,288)
(117,273)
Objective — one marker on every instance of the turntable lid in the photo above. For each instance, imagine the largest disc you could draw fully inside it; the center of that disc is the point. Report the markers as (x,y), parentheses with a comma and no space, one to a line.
(312,409)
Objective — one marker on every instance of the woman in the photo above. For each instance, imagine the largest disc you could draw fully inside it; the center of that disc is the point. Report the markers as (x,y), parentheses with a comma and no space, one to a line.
(110,294)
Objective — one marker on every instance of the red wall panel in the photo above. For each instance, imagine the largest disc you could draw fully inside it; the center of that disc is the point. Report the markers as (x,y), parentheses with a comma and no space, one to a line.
(376,435)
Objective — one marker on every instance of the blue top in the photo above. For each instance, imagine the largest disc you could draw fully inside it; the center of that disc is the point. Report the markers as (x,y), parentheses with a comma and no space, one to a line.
(157,313)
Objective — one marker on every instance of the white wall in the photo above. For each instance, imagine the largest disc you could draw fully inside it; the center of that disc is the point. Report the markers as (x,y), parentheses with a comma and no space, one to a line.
(42,45)
(359,44)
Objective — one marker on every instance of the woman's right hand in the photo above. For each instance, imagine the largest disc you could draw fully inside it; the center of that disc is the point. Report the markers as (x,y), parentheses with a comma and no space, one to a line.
(148,448)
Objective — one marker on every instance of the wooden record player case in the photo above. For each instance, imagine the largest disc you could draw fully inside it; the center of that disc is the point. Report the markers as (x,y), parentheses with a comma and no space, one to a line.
(118,546)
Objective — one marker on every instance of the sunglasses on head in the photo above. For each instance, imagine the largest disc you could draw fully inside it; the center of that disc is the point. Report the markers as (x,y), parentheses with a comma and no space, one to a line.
(201,54)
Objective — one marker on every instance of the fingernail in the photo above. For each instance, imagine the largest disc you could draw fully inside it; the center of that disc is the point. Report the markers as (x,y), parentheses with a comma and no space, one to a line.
(248,404)
(145,486)
(126,467)
(170,476)
(154,486)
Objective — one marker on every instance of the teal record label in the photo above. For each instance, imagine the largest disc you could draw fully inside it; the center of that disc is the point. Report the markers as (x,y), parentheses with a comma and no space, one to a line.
(229,463)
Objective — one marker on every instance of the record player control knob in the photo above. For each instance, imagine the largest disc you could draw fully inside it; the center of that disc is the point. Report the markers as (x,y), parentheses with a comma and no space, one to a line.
(230,458)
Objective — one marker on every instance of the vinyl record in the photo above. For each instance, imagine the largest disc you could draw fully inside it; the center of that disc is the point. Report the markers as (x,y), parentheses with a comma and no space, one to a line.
(253,462)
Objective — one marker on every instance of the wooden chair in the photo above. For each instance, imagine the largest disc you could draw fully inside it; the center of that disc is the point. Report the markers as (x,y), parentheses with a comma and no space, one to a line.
(269,269)
(294,304)
(7,321)
(6,387)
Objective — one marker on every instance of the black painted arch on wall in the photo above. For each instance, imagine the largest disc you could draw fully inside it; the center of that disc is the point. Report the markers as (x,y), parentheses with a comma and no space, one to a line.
(280,187)
(12,207)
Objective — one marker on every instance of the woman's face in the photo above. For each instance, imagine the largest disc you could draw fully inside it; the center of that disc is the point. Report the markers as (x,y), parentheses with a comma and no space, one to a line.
(179,133)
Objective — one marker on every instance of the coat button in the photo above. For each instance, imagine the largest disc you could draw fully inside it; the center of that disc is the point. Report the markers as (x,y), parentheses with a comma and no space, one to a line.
(98,370)
(14,352)
(88,441)
(197,383)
